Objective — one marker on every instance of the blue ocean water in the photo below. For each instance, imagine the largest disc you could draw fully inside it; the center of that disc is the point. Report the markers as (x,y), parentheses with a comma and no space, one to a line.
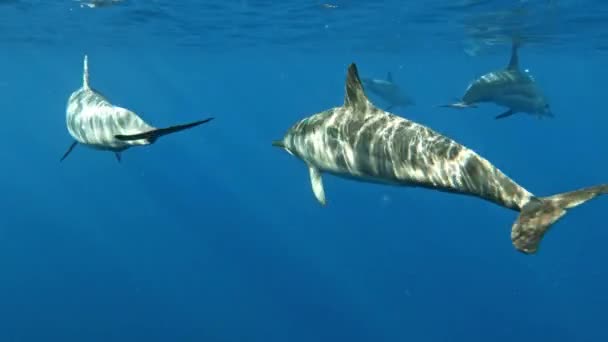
(212,234)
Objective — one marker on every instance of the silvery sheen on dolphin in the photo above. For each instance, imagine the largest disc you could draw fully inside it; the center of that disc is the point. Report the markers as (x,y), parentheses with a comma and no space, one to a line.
(388,91)
(94,122)
(362,142)
(509,87)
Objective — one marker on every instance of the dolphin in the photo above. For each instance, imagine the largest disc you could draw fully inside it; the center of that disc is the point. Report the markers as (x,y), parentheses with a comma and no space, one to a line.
(510,87)
(94,122)
(361,142)
(388,91)
(98,3)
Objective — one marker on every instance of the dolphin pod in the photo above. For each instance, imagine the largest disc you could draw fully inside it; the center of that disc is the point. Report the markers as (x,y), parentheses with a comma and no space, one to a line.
(361,142)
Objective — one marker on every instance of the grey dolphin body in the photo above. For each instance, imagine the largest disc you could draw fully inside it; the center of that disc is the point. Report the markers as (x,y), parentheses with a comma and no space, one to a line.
(94,122)
(509,87)
(388,91)
(361,142)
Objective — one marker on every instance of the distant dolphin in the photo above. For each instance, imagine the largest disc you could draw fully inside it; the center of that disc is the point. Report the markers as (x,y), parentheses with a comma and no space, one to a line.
(98,3)
(510,87)
(93,121)
(361,142)
(388,90)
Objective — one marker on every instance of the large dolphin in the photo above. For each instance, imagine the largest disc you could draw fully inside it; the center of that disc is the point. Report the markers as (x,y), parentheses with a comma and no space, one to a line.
(510,87)
(388,91)
(362,142)
(94,122)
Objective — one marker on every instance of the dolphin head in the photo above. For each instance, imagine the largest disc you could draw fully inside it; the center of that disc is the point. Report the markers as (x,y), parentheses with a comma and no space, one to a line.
(301,138)
(284,144)
(287,142)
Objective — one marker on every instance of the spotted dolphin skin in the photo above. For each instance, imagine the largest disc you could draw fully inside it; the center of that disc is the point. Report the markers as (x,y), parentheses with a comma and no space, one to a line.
(388,91)
(509,87)
(361,142)
(94,122)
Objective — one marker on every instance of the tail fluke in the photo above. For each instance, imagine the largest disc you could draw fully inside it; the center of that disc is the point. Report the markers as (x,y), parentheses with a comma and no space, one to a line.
(154,134)
(539,214)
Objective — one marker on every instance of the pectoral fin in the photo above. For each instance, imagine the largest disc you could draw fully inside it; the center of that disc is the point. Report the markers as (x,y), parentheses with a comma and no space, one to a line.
(505,114)
(65,155)
(317,184)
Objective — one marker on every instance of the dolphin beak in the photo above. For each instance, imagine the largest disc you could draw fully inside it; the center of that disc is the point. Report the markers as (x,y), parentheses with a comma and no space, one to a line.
(281,144)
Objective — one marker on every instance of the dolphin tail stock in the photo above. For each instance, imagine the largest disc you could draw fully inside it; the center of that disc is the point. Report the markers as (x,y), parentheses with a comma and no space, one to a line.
(154,134)
(539,214)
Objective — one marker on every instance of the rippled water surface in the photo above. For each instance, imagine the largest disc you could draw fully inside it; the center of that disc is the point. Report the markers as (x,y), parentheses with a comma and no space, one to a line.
(385,26)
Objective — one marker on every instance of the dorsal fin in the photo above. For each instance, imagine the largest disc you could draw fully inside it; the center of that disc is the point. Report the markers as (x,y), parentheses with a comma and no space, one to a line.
(85,73)
(389,77)
(355,96)
(514,61)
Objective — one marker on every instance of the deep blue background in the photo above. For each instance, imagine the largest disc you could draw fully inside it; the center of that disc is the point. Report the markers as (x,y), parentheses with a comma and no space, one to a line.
(214,235)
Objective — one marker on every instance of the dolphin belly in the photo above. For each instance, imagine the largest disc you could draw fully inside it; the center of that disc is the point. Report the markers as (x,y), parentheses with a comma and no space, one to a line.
(517,102)
(524,98)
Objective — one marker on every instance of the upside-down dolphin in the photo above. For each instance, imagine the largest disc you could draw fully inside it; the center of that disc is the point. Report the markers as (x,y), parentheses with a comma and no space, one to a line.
(362,142)
(94,122)
(510,87)
(388,91)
